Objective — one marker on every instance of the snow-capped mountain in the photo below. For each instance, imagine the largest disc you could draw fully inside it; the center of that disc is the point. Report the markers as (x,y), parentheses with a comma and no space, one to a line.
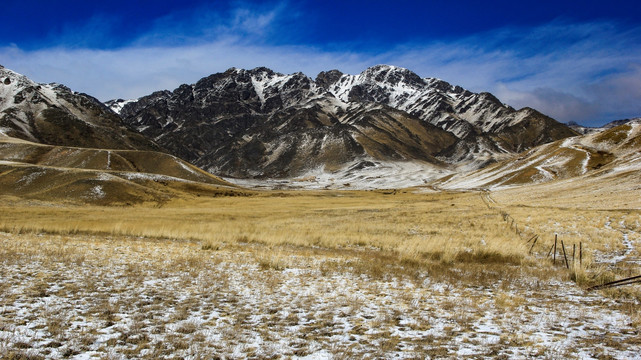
(259,123)
(53,114)
(449,107)
(117,104)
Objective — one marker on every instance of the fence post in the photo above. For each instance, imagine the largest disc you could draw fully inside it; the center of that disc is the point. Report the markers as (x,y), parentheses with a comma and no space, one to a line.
(580,254)
(550,252)
(567,265)
(554,256)
(536,237)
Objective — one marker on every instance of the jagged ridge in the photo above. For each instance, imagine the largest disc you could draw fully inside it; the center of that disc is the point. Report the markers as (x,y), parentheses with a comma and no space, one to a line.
(259,123)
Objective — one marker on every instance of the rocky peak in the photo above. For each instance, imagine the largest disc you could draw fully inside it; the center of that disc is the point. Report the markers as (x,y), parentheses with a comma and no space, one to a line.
(263,71)
(392,75)
(325,79)
(9,77)
(491,98)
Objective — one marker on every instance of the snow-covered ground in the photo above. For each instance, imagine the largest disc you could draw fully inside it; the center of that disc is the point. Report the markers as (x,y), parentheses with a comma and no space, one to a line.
(629,239)
(375,175)
(97,297)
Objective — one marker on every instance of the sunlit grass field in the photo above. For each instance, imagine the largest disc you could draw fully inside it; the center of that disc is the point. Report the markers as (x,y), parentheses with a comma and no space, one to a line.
(325,274)
(438,226)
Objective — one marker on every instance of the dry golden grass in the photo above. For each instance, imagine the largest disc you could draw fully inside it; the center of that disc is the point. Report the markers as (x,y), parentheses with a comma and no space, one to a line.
(606,222)
(413,230)
(447,227)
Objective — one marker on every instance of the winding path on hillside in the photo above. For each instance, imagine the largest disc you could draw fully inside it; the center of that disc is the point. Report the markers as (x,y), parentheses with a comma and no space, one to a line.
(569,144)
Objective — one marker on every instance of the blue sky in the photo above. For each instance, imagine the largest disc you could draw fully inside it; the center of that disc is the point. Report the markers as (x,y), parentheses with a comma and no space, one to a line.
(577,61)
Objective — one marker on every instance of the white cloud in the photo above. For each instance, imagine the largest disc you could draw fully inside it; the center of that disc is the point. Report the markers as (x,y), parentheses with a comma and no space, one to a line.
(583,72)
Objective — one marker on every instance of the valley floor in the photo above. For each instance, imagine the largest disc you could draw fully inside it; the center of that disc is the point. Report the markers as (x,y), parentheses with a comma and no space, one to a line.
(70,293)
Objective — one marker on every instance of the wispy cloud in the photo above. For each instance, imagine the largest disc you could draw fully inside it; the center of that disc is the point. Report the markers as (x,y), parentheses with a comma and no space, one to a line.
(587,72)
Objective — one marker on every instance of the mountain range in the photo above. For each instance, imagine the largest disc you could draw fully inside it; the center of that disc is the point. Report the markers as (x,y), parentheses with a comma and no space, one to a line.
(262,124)
(385,127)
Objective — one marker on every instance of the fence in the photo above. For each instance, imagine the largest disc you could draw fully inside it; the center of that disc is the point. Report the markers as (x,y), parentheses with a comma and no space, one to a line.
(487,199)
(554,249)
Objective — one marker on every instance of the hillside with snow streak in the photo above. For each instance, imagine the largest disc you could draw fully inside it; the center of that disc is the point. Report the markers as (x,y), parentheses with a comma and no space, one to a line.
(611,154)
(54,114)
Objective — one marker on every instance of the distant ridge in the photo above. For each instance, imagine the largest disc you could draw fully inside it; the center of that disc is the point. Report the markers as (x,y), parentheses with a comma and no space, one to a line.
(589,130)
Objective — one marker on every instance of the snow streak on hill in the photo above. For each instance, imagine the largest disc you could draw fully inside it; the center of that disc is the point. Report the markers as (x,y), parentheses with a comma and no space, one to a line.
(607,155)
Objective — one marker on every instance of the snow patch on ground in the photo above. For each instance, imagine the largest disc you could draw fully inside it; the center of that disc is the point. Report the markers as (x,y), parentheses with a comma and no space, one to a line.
(148,176)
(629,246)
(28,179)
(184,302)
(97,192)
(186,167)
(358,175)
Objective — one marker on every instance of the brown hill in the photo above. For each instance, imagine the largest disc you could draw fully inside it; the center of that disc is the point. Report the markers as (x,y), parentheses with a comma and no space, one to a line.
(101,177)
(608,155)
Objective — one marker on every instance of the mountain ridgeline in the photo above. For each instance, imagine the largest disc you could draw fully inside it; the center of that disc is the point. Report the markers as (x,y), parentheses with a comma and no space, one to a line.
(262,124)
(55,115)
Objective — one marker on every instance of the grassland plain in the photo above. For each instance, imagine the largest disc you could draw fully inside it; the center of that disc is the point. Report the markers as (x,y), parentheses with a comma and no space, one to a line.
(323,274)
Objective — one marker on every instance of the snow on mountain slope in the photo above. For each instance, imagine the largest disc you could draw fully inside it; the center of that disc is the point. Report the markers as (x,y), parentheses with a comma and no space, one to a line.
(450,107)
(259,123)
(609,153)
(53,114)
(117,105)
(358,175)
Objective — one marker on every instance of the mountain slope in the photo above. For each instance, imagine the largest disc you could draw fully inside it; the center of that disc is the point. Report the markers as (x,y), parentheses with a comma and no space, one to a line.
(97,176)
(610,154)
(258,123)
(452,108)
(53,114)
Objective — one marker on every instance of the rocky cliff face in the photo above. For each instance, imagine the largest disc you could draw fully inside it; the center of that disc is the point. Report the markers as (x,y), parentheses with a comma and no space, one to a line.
(259,123)
(53,114)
